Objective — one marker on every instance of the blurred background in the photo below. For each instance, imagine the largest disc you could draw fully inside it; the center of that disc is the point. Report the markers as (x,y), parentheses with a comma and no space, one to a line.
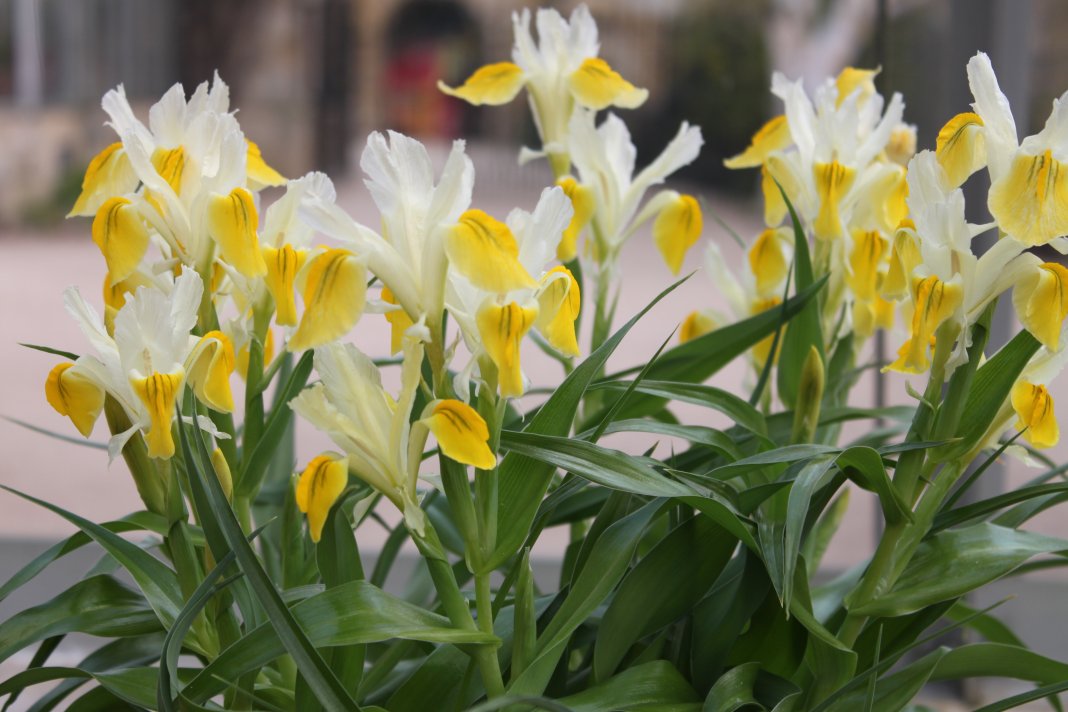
(311,78)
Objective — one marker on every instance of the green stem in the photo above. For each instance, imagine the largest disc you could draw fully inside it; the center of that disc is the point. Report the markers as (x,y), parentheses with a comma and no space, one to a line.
(491,670)
(869,585)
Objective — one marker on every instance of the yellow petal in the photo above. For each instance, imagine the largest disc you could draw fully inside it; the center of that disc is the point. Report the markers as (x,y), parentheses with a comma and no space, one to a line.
(1042,303)
(1034,407)
(484,250)
(334,291)
(121,236)
(158,392)
(582,202)
(283,263)
(399,321)
(232,222)
(462,434)
(833,181)
(768,262)
(762,349)
(319,486)
(75,396)
(109,174)
(851,79)
(935,301)
(243,354)
(493,85)
(260,175)
(773,136)
(559,303)
(869,316)
(210,369)
(864,260)
(698,323)
(1030,202)
(170,164)
(502,329)
(904,257)
(774,206)
(676,230)
(902,144)
(961,147)
(222,472)
(597,86)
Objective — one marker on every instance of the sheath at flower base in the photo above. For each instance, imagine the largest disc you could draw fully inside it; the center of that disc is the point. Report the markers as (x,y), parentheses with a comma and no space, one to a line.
(408,256)
(561,71)
(350,405)
(495,308)
(145,366)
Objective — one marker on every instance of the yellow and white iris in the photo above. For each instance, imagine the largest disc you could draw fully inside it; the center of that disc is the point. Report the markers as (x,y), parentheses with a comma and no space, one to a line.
(145,366)
(605,158)
(560,71)
(373,429)
(501,286)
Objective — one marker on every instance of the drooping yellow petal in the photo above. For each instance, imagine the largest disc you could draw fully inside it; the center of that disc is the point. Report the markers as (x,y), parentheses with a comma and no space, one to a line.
(232,222)
(75,396)
(559,303)
(462,434)
(399,322)
(884,202)
(484,250)
(676,230)
(773,136)
(319,486)
(851,79)
(864,260)
(774,206)
(211,363)
(762,349)
(698,323)
(170,164)
(768,261)
(1034,408)
(833,181)
(109,174)
(935,301)
(158,392)
(493,85)
(502,328)
(334,292)
(1041,302)
(582,202)
(597,86)
(121,236)
(869,316)
(283,263)
(260,175)
(1030,202)
(904,258)
(961,147)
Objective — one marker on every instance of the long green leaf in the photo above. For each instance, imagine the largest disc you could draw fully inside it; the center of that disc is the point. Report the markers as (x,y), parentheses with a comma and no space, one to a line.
(737,409)
(653,685)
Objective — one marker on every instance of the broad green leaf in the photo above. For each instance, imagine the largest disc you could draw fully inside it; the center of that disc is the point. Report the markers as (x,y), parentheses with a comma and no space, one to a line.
(781,540)
(711,438)
(804,331)
(349,614)
(606,467)
(734,690)
(815,545)
(607,563)
(138,521)
(864,466)
(692,557)
(653,685)
(724,514)
(737,409)
(523,481)
(98,606)
(957,561)
(720,617)
(778,456)
(152,576)
(976,510)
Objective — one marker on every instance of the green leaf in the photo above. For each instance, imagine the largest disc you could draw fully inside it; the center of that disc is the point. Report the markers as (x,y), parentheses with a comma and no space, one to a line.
(156,581)
(50,350)
(62,437)
(737,409)
(778,456)
(1023,698)
(711,438)
(734,690)
(864,466)
(523,480)
(606,467)
(653,685)
(804,331)
(691,557)
(213,504)
(720,617)
(99,605)
(352,613)
(607,563)
(975,510)
(957,561)
(985,624)
(138,521)
(781,540)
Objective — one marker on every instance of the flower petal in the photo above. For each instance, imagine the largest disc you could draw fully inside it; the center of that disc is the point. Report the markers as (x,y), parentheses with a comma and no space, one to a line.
(1034,407)
(493,84)
(559,303)
(485,251)
(260,175)
(158,392)
(121,236)
(319,486)
(334,293)
(211,362)
(961,147)
(109,174)
(773,136)
(74,395)
(1041,303)
(461,432)
(232,222)
(597,86)
(1030,202)
(502,329)
(676,230)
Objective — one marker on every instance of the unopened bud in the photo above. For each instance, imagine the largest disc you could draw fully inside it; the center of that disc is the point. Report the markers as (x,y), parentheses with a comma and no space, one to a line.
(222,471)
(809,398)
